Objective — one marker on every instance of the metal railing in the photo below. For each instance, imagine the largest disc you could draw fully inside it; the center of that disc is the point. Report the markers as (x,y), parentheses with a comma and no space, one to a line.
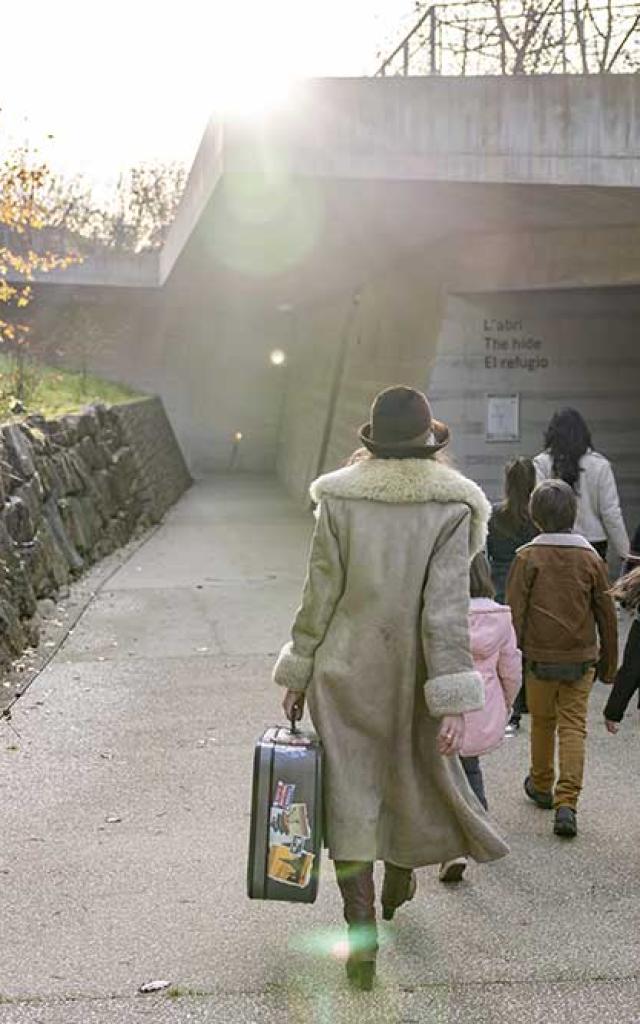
(502,37)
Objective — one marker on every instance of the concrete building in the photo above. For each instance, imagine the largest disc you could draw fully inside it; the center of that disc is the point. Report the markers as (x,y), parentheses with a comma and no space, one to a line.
(479,238)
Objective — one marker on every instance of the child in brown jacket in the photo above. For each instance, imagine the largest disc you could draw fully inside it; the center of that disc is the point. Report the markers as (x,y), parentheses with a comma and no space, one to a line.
(558,592)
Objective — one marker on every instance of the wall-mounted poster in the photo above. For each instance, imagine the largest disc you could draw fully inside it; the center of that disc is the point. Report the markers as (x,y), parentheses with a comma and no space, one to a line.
(503,418)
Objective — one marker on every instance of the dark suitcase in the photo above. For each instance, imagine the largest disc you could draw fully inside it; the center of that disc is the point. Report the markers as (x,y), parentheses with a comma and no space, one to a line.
(286,817)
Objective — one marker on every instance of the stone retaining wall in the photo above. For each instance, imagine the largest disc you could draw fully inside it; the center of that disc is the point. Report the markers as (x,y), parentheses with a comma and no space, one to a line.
(72,491)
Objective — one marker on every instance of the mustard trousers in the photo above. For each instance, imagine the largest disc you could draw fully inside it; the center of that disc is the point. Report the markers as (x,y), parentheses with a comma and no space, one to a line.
(558,708)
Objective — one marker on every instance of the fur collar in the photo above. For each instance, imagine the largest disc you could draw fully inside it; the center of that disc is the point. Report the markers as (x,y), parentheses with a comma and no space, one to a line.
(408,481)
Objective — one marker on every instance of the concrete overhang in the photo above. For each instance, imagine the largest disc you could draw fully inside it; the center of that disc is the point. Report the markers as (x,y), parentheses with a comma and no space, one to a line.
(353,174)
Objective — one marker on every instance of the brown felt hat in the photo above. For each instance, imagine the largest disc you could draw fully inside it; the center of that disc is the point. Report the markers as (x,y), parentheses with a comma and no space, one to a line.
(401,426)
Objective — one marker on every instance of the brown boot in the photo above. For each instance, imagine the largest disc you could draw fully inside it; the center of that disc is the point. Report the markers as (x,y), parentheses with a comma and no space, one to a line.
(355,879)
(399,887)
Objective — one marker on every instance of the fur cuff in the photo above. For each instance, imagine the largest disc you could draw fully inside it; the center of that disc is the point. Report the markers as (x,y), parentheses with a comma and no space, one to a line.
(293,671)
(454,694)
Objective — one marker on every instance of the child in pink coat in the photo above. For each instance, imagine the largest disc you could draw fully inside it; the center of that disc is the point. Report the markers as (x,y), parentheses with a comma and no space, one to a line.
(497,658)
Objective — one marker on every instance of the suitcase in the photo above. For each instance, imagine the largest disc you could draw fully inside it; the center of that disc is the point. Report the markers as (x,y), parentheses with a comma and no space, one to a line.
(286,817)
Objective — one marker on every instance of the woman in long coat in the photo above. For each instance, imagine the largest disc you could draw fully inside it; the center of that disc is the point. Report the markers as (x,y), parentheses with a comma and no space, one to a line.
(380,649)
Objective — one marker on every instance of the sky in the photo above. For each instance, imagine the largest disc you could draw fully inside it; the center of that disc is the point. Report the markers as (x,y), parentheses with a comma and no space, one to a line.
(121,81)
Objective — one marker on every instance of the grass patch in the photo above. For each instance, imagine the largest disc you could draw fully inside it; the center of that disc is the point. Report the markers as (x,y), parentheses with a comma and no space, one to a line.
(55,391)
(178,992)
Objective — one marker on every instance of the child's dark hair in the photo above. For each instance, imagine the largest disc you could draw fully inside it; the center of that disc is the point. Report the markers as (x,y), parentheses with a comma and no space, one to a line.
(480,582)
(519,481)
(553,506)
(627,589)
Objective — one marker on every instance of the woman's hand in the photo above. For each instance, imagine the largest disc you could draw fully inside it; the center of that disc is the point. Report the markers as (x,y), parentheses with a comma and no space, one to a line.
(450,734)
(612,727)
(293,705)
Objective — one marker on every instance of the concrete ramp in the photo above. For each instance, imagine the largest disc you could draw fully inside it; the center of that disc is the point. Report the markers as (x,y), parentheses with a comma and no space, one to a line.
(125,824)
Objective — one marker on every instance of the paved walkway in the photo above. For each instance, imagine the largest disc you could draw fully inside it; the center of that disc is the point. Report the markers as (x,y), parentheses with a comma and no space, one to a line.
(123,825)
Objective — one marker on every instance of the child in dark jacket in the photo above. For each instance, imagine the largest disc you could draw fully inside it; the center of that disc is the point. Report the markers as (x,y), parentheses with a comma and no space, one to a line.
(627,591)
(510,527)
(558,590)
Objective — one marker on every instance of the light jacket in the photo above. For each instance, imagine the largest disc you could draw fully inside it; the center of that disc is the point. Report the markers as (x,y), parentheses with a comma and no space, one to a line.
(496,657)
(558,592)
(380,645)
(599,514)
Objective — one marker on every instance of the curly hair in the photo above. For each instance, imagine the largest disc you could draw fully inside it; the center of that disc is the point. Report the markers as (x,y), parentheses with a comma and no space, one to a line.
(627,589)
(567,439)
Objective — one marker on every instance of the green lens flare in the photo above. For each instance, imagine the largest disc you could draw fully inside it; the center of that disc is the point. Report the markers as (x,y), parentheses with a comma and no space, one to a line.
(266,223)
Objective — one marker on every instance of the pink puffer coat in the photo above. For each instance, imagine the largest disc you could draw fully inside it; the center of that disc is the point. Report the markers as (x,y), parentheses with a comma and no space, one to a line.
(497,658)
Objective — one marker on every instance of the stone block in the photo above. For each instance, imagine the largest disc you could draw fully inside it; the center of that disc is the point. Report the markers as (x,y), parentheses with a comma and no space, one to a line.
(18,518)
(106,500)
(65,472)
(32,494)
(19,451)
(35,563)
(69,550)
(15,577)
(12,634)
(56,562)
(82,524)
(82,474)
(93,454)
(123,475)
(49,475)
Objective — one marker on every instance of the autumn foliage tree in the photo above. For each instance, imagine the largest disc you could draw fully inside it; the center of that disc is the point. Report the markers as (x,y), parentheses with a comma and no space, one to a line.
(24,252)
(49,221)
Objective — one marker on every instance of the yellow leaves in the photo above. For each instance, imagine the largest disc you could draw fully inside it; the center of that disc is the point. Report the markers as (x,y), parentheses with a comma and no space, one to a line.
(7,291)
(24,183)
(24,297)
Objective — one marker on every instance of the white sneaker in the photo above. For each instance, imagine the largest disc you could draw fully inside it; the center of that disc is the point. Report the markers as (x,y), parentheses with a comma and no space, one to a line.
(453,870)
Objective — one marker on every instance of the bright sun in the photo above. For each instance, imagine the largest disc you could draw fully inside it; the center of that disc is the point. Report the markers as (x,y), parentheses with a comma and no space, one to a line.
(250,72)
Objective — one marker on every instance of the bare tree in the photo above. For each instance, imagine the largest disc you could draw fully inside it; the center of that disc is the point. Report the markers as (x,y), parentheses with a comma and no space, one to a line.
(520,37)
(137,217)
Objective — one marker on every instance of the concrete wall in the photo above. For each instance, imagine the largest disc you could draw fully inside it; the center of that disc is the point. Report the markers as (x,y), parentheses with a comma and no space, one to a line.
(382,333)
(557,129)
(205,354)
(553,349)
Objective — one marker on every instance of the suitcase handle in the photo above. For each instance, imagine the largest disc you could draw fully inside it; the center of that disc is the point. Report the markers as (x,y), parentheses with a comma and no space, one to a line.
(297,711)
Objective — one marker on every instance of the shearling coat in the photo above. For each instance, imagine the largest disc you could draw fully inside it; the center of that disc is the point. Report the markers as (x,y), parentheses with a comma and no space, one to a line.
(380,644)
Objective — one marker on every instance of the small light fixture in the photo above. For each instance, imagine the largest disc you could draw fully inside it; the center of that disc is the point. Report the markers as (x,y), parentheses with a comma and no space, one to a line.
(277,357)
(237,437)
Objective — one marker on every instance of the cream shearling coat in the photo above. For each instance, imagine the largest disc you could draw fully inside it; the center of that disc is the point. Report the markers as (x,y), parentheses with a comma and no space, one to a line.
(380,644)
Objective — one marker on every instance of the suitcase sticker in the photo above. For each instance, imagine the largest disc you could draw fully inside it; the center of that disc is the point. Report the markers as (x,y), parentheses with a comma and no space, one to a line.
(289,859)
(286,817)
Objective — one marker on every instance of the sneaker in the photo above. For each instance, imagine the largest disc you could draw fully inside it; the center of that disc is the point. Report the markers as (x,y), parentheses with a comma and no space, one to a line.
(453,870)
(512,728)
(566,823)
(543,800)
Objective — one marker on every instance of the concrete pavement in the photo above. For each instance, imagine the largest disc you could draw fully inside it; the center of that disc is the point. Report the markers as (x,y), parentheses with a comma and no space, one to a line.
(124,813)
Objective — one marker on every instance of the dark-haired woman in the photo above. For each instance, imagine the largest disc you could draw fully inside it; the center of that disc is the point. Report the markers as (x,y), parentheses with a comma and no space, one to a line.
(380,649)
(510,527)
(569,456)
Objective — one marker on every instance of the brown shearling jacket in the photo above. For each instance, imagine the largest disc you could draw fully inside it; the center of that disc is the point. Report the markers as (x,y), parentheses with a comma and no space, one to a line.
(557,589)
